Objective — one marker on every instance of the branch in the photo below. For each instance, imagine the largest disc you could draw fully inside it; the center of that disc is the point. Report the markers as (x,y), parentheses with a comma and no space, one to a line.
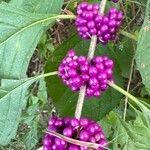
(102,7)
(91,52)
(73,141)
(41,148)
(81,97)
(129,35)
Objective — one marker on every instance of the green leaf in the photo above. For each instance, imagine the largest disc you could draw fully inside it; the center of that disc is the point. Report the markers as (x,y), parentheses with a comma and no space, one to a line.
(31,138)
(11,105)
(39,6)
(42,91)
(107,127)
(64,99)
(20,32)
(145,107)
(142,1)
(132,135)
(139,135)
(29,28)
(31,118)
(4,1)
(142,120)
(143,49)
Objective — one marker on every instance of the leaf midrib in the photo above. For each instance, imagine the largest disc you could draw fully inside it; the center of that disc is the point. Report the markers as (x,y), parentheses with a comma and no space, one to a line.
(28,80)
(32,79)
(53,16)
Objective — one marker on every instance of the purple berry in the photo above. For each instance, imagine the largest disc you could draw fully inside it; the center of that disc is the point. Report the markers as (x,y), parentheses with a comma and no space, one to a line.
(103,87)
(93,71)
(105,19)
(73,64)
(84,148)
(84,68)
(91,24)
(120,16)
(107,36)
(74,147)
(85,77)
(46,148)
(89,92)
(96,6)
(81,60)
(88,16)
(83,5)
(71,53)
(68,132)
(60,143)
(97,94)
(97,59)
(100,67)
(90,7)
(74,122)
(112,30)
(84,135)
(113,10)
(99,19)
(115,1)
(93,31)
(84,122)
(112,23)
(47,141)
(72,73)
(93,81)
(104,28)
(102,76)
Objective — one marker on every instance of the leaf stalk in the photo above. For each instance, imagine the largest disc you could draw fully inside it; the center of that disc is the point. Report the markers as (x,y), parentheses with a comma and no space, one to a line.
(119,89)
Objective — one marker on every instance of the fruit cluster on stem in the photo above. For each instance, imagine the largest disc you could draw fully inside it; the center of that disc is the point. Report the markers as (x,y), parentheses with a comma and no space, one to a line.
(77,71)
(90,75)
(90,22)
(80,129)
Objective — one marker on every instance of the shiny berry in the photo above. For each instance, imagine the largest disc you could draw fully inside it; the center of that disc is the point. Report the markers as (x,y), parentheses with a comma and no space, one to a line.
(115,1)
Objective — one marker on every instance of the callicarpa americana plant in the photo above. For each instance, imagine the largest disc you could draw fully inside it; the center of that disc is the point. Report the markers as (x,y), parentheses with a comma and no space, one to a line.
(90,72)
(67,68)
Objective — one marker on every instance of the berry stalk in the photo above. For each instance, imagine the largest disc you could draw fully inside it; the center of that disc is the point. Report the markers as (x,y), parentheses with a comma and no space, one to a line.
(102,7)
(129,35)
(83,88)
(91,52)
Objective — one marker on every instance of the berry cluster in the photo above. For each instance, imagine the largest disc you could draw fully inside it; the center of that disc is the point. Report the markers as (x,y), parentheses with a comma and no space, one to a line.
(77,71)
(83,130)
(89,22)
